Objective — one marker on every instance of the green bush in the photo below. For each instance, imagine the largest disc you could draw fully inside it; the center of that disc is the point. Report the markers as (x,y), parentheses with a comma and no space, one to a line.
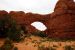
(15,48)
(7,45)
(51,48)
(14,32)
(46,48)
(68,48)
(40,33)
(10,29)
(14,36)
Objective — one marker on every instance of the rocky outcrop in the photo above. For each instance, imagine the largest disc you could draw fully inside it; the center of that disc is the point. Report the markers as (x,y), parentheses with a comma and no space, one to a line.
(3,14)
(28,18)
(63,19)
(60,24)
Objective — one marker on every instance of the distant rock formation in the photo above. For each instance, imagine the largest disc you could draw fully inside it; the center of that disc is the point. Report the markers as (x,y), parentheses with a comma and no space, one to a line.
(60,23)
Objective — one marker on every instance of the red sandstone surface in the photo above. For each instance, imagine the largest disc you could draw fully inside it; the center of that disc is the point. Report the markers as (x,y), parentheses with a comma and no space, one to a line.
(60,23)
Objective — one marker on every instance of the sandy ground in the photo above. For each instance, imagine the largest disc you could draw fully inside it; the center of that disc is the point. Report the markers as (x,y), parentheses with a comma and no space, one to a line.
(33,42)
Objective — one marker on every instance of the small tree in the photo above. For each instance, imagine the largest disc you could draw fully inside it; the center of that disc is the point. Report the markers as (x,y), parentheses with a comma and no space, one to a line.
(14,32)
(40,33)
(68,48)
(7,45)
(15,48)
(9,28)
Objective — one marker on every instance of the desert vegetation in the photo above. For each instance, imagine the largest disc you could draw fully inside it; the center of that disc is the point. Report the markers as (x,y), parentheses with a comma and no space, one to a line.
(8,45)
(9,29)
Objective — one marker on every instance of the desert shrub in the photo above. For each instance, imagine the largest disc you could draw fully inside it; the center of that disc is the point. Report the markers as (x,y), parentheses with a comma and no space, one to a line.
(68,48)
(34,41)
(15,36)
(0,48)
(40,33)
(15,48)
(24,28)
(7,45)
(51,48)
(4,26)
(55,46)
(43,40)
(10,29)
(41,47)
(14,32)
(46,48)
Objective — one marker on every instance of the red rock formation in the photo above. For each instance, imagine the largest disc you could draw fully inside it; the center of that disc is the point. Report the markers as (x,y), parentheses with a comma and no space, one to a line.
(3,14)
(63,19)
(28,18)
(61,23)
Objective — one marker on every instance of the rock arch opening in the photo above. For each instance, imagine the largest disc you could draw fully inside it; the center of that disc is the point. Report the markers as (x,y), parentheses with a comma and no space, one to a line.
(39,26)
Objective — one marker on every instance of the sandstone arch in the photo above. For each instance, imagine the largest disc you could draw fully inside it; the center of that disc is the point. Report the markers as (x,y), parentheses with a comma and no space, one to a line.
(60,23)
(28,18)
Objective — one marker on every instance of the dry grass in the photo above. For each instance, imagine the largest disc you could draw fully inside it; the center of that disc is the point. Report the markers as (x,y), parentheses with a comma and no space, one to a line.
(34,42)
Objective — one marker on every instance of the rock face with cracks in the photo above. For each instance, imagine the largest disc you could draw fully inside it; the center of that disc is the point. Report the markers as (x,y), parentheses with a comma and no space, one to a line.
(63,19)
(60,23)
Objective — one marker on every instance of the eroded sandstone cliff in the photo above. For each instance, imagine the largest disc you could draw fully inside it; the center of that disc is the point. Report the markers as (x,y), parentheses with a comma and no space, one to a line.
(63,19)
(60,23)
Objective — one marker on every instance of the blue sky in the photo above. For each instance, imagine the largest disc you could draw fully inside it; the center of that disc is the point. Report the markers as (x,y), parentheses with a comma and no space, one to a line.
(35,6)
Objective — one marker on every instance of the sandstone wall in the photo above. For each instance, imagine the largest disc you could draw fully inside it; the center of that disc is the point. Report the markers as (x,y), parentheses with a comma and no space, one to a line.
(60,23)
